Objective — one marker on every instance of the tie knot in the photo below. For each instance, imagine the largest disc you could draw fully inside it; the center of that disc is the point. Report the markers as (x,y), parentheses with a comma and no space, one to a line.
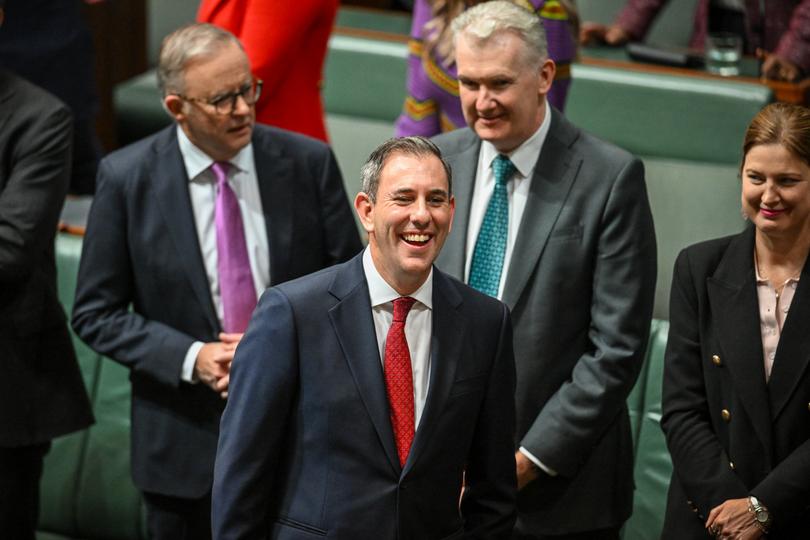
(402,306)
(220,170)
(503,168)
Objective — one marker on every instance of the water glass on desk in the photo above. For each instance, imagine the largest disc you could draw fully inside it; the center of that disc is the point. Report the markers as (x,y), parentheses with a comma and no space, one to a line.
(723,53)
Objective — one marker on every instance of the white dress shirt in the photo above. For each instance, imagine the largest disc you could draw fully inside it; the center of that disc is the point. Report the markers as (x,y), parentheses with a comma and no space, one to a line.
(202,190)
(418,326)
(524,157)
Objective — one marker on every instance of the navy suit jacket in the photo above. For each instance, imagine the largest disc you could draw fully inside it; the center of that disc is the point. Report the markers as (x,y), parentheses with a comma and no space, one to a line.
(306,446)
(141,251)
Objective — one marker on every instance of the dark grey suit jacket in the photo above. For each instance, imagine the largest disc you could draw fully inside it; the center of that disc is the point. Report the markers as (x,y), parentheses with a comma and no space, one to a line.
(41,391)
(141,251)
(307,449)
(763,448)
(580,287)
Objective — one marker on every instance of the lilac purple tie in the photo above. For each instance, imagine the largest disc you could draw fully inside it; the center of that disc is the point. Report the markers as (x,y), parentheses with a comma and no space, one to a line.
(236,287)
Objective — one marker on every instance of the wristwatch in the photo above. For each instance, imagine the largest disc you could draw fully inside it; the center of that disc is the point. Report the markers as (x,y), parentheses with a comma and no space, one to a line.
(761,515)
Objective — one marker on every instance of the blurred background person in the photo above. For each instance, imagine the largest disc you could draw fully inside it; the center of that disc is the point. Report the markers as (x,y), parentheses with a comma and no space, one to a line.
(42,395)
(286,43)
(736,384)
(778,32)
(432,104)
(48,43)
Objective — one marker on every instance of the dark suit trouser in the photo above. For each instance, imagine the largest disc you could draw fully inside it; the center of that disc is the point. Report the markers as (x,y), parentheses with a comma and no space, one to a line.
(20,472)
(601,534)
(173,518)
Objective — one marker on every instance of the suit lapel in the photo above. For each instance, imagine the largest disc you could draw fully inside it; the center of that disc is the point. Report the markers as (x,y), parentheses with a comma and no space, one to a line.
(554,174)
(276,188)
(735,313)
(447,337)
(465,165)
(170,184)
(790,362)
(354,326)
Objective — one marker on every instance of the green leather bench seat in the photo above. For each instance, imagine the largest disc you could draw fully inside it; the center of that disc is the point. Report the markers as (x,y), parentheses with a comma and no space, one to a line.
(86,490)
(653,466)
(665,116)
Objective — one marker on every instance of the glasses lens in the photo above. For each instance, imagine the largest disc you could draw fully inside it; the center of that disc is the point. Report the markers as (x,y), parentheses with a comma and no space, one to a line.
(250,93)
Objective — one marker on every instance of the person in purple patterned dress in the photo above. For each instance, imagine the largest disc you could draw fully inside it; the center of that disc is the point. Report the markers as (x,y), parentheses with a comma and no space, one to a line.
(432,105)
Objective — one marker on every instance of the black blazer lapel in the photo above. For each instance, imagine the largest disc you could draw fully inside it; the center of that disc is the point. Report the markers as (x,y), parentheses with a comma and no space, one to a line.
(170,185)
(554,174)
(354,326)
(735,313)
(447,337)
(790,362)
(277,189)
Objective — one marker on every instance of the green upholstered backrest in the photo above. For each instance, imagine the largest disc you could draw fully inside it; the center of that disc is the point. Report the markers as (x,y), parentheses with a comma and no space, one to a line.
(64,463)
(653,466)
(86,489)
(392,22)
(665,116)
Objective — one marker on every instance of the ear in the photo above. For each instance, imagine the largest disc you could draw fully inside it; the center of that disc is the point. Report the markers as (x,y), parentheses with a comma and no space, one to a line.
(365,211)
(546,76)
(174,106)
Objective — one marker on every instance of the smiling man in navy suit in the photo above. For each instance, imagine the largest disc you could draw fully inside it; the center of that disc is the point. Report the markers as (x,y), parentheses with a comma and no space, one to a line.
(362,396)
(187,228)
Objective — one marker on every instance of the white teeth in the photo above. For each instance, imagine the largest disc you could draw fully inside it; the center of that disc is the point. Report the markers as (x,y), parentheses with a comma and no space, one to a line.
(416,237)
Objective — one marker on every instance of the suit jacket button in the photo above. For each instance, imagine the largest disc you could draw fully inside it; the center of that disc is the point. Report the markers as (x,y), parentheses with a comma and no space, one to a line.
(731,465)
(808,406)
(716,360)
(725,415)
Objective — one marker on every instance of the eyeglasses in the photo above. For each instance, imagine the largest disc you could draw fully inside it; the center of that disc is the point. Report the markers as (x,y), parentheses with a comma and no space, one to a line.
(226,103)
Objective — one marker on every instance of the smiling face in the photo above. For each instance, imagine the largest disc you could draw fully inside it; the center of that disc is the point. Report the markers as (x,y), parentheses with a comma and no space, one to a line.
(502,90)
(221,136)
(410,220)
(776,191)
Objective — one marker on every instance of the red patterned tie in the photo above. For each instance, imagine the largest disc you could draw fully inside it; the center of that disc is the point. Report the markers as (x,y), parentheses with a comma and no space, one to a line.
(399,379)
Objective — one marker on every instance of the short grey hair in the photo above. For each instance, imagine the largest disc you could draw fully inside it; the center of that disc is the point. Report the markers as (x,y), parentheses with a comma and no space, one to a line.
(185,44)
(411,146)
(490,18)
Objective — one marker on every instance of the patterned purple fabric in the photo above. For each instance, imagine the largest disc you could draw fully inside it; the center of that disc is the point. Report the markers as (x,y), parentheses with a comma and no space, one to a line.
(432,105)
(233,265)
(785,26)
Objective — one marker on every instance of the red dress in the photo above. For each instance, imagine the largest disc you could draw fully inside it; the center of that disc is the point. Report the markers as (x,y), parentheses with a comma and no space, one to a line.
(286,43)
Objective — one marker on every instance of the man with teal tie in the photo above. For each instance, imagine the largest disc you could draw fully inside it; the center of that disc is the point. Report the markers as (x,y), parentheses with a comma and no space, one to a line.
(557,225)
(187,228)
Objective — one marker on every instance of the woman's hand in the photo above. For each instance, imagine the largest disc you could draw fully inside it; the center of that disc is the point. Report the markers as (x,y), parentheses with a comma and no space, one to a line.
(731,520)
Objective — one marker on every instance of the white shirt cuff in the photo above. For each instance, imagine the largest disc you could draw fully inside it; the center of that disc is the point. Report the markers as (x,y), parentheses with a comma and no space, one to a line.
(187,373)
(549,471)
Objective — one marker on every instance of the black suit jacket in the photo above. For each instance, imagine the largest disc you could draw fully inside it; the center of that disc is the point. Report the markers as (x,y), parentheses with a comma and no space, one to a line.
(307,448)
(763,448)
(141,251)
(580,288)
(41,391)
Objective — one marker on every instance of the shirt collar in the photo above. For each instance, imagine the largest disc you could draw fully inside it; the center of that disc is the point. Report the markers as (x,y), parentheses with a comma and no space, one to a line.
(197,161)
(524,157)
(380,292)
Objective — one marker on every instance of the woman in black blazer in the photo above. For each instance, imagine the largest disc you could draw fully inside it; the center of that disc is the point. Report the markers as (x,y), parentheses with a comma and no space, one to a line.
(736,397)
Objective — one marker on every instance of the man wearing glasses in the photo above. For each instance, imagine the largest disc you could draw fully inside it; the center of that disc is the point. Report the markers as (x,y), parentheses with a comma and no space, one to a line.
(187,228)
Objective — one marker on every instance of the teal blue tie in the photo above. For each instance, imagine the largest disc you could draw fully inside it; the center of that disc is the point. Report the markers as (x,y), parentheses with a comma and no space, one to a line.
(490,247)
